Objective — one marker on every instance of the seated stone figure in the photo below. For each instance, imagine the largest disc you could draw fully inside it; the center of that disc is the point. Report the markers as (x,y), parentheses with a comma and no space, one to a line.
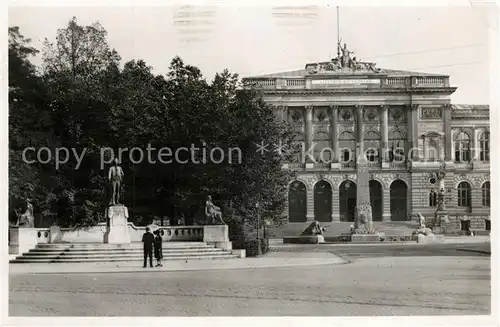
(27,220)
(213,212)
(313,229)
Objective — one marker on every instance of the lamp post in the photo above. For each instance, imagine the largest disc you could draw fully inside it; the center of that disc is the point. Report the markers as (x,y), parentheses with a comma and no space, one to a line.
(259,252)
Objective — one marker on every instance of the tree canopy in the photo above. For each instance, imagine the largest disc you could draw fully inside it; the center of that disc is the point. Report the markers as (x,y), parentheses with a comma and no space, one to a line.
(82,99)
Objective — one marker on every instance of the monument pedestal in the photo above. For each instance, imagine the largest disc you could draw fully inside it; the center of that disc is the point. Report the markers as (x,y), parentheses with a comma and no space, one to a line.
(117,231)
(441,222)
(365,238)
(363,222)
(430,239)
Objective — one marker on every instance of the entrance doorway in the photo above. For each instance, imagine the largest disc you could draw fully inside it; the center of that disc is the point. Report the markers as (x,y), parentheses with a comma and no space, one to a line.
(376,199)
(399,192)
(347,200)
(297,203)
(323,201)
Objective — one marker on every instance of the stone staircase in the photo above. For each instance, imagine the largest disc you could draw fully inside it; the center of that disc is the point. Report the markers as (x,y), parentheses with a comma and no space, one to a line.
(99,252)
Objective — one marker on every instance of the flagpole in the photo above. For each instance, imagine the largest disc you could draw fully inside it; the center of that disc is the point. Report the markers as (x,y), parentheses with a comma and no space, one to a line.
(338,33)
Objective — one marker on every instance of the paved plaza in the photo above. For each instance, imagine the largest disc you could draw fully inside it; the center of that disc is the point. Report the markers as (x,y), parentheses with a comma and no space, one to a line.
(448,279)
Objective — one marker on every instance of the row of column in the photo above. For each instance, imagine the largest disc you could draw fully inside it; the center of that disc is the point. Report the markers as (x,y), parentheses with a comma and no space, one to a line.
(412,138)
(384,128)
(386,205)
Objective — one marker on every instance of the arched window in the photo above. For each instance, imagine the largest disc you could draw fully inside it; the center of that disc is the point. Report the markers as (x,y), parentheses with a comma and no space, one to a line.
(486,194)
(464,194)
(372,155)
(433,199)
(371,141)
(432,150)
(322,149)
(347,146)
(484,145)
(462,147)
(297,144)
(397,142)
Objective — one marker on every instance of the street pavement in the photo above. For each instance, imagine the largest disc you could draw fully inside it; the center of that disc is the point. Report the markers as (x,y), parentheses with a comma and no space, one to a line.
(378,280)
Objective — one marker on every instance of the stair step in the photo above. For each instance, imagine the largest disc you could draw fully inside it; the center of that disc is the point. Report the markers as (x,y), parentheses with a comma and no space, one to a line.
(39,252)
(39,248)
(92,255)
(117,259)
(131,245)
(118,248)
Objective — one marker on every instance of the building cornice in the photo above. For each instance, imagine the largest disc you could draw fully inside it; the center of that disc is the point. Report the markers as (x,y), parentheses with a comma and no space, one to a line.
(350,91)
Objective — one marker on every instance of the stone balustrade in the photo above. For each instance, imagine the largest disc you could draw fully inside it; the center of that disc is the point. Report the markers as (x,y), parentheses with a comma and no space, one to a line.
(23,239)
(382,82)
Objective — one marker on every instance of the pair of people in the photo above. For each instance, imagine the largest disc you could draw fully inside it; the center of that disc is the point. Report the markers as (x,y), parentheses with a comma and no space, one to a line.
(151,242)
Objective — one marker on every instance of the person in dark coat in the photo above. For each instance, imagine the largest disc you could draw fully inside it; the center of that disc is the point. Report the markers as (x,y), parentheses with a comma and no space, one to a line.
(158,248)
(148,240)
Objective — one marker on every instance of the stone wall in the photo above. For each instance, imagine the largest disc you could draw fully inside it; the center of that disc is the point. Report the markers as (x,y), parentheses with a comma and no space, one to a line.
(421,188)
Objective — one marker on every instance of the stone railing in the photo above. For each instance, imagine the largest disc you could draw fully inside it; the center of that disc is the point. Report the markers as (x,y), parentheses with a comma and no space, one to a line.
(296,165)
(430,81)
(348,165)
(297,83)
(397,165)
(170,233)
(373,164)
(321,165)
(397,81)
(182,233)
(265,83)
(329,82)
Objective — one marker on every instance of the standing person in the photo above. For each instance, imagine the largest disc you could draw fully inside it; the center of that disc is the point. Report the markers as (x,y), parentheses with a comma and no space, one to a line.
(148,239)
(158,248)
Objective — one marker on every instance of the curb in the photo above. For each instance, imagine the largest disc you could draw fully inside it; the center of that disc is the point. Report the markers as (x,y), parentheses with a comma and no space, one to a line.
(475,251)
(113,270)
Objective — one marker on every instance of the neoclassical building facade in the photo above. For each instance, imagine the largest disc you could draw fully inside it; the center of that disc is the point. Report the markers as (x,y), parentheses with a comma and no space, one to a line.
(402,121)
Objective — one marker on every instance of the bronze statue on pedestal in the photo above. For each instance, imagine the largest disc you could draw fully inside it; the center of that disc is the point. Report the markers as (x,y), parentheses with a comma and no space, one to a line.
(115,177)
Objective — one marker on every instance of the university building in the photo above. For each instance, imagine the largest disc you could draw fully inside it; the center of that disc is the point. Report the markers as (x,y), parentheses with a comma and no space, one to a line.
(343,107)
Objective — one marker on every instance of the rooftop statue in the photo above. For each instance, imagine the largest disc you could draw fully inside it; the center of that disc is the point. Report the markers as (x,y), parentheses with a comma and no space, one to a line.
(344,62)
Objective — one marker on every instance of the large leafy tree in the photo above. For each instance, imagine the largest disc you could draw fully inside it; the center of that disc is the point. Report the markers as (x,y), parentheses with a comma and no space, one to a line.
(78,68)
(90,102)
(30,125)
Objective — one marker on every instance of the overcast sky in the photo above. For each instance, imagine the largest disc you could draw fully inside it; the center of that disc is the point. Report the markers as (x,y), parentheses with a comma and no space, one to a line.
(260,40)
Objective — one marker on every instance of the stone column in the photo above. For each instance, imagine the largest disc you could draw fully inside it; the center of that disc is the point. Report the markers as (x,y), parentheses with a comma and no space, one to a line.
(310,203)
(386,204)
(308,131)
(448,137)
(359,131)
(474,146)
(412,137)
(335,204)
(334,132)
(384,131)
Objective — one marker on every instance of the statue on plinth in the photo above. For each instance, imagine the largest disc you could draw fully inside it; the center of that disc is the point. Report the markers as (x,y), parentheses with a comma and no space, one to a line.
(115,177)
(27,219)
(421,221)
(213,213)
(422,230)
(313,229)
